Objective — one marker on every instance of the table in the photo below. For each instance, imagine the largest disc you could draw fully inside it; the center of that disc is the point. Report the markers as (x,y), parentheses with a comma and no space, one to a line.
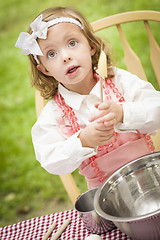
(35,228)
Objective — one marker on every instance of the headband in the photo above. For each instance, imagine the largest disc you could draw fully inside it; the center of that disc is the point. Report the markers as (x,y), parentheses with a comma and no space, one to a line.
(27,42)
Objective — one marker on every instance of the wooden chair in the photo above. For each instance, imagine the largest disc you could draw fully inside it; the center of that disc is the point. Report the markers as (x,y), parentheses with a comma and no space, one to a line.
(133,65)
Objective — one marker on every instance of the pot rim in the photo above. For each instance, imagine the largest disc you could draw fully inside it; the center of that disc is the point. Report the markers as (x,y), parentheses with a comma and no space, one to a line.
(142,217)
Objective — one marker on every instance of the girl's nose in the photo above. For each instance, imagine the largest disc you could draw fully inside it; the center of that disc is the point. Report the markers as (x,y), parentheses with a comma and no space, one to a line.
(65,54)
(66,59)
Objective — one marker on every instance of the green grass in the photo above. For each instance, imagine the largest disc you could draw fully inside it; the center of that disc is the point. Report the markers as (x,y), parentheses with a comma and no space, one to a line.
(22,180)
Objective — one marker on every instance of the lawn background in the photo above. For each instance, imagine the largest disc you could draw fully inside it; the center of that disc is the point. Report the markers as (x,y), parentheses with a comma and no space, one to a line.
(26,188)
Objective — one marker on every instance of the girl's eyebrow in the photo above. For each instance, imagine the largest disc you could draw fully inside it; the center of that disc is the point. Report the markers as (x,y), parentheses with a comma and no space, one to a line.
(71,35)
(68,36)
(47,47)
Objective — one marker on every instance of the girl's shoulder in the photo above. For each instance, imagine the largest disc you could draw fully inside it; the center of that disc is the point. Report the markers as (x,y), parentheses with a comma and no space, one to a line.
(131,85)
(124,74)
(127,79)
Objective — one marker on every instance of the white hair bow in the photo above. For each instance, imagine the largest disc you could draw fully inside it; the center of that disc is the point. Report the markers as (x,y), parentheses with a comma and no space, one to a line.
(27,42)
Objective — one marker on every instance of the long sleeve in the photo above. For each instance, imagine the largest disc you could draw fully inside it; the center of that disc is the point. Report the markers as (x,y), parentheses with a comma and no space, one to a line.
(142,103)
(56,154)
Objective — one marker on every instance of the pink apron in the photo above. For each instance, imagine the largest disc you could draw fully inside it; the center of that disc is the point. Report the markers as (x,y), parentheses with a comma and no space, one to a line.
(109,158)
(128,147)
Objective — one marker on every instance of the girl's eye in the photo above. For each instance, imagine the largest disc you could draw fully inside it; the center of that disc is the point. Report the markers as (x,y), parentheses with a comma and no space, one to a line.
(72,43)
(51,54)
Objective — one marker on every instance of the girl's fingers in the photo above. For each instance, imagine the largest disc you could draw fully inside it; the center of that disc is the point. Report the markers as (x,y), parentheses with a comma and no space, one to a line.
(107,141)
(107,134)
(104,105)
(103,130)
(102,127)
(106,118)
(96,105)
(102,117)
(109,124)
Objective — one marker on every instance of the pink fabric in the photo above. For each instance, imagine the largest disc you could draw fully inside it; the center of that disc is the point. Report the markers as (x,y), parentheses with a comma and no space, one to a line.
(129,146)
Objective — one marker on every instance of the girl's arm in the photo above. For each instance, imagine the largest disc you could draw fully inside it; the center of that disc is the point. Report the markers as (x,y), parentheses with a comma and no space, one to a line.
(141,109)
(57,153)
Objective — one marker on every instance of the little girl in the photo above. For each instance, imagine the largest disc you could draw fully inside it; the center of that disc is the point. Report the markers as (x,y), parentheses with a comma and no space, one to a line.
(76,130)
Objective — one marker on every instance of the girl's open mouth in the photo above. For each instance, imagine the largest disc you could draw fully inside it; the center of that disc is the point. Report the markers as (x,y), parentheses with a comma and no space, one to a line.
(72,70)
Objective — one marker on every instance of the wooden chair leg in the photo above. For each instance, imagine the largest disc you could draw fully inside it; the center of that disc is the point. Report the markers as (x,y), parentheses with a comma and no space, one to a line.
(70,186)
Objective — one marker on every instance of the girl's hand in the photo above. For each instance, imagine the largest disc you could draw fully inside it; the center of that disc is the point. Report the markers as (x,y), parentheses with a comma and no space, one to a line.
(110,113)
(96,134)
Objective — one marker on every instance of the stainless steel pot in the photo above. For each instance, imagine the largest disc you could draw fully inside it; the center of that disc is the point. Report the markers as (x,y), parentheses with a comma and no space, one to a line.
(131,198)
(93,222)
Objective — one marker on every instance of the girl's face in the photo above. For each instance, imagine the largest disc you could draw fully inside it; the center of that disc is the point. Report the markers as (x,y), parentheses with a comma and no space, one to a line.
(67,56)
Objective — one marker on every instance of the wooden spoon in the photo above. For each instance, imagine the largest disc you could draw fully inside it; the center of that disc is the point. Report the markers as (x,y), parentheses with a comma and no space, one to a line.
(102,70)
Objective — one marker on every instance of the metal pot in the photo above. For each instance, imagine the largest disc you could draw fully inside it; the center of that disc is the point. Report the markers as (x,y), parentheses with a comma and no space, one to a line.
(93,222)
(131,198)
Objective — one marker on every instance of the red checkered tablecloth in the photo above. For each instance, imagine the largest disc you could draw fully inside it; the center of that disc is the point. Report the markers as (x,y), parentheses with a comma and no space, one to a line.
(36,228)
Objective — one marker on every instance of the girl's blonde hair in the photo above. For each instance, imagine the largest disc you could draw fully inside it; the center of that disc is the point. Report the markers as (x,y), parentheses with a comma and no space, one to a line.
(47,85)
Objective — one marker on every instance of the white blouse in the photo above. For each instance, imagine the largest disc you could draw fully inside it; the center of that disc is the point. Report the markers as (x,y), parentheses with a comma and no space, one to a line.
(60,155)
